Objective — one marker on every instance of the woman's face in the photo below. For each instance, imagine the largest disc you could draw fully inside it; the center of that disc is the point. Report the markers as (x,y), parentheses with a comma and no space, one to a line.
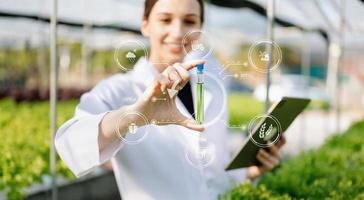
(169,21)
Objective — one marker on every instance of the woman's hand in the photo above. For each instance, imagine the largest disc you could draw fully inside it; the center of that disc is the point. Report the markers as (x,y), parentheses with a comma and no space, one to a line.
(158,105)
(155,104)
(269,159)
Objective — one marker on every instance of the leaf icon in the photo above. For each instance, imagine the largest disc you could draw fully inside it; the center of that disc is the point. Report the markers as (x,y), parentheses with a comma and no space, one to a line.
(261,131)
(269,130)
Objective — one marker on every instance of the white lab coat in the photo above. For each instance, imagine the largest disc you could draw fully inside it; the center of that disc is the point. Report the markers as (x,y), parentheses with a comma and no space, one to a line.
(157,167)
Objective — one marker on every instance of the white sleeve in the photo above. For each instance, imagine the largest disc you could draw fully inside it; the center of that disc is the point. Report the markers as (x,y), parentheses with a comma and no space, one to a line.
(76,140)
(236,175)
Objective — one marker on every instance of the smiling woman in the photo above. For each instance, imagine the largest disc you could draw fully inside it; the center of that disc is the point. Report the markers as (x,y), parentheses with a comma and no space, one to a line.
(165,24)
(151,160)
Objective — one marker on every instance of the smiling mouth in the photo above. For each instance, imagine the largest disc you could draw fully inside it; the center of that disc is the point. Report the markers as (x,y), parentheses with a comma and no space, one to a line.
(175,47)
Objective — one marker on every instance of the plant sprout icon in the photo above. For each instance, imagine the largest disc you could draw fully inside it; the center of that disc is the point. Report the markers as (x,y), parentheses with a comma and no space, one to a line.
(132,128)
(131,56)
(203,155)
(263,134)
(264,56)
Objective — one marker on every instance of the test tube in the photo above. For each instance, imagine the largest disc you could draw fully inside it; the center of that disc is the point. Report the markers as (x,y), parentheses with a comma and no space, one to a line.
(200,94)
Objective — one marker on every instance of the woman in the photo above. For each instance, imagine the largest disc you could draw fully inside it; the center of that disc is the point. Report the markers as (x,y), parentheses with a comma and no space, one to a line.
(157,167)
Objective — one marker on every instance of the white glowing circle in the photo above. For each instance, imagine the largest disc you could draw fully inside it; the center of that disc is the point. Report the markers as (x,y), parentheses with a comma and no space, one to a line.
(197,45)
(201,155)
(264,129)
(223,96)
(134,134)
(264,56)
(131,54)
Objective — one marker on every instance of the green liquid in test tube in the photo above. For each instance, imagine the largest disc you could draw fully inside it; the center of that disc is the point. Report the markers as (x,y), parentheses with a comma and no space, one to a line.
(200,94)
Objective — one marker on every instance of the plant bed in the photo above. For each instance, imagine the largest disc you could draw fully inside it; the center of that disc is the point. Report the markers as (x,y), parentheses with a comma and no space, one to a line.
(98,187)
(20,94)
(334,171)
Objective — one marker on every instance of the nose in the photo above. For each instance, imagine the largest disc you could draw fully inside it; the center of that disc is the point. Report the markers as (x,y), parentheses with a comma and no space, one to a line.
(177,30)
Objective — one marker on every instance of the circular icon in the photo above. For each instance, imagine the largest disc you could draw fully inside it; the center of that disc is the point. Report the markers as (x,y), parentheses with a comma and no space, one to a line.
(264,130)
(127,53)
(212,81)
(197,42)
(202,154)
(265,56)
(134,133)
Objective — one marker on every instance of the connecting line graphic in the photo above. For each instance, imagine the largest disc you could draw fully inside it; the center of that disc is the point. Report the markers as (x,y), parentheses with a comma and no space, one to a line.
(154,99)
(225,67)
(237,75)
(167,121)
(233,126)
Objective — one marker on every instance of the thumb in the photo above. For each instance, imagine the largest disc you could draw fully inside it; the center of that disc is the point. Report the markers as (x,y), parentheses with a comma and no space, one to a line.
(159,85)
(191,124)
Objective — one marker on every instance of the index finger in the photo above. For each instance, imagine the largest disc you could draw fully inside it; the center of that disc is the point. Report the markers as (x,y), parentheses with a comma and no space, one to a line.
(274,151)
(281,141)
(191,64)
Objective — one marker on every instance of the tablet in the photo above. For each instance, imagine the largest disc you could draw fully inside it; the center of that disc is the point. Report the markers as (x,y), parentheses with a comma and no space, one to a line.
(266,130)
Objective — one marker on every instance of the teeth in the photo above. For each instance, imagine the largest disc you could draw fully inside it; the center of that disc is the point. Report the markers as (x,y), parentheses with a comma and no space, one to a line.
(175,45)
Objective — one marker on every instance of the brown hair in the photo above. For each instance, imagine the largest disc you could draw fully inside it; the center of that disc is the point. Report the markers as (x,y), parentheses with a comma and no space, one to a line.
(148,5)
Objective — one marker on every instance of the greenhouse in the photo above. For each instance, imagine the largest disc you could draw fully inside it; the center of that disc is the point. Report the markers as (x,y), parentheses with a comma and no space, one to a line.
(172,99)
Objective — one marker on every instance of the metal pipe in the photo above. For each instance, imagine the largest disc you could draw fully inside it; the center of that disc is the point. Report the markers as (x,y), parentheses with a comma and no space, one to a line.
(339,63)
(270,35)
(306,56)
(85,55)
(53,96)
(305,70)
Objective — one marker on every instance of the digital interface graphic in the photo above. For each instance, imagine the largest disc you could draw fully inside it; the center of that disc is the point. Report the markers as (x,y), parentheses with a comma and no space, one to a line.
(259,56)
(200,43)
(127,53)
(134,134)
(202,154)
(264,130)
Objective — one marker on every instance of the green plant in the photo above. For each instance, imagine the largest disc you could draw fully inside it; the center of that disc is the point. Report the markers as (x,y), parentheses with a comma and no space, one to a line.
(24,146)
(247,191)
(243,108)
(319,104)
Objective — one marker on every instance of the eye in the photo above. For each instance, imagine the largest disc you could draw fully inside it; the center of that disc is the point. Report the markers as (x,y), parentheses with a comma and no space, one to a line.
(165,20)
(189,22)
